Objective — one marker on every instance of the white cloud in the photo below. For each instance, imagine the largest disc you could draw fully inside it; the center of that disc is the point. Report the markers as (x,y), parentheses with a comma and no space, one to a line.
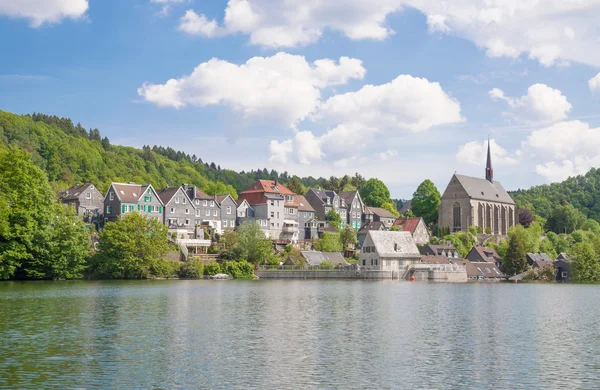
(284,87)
(388,154)
(195,24)
(475,153)
(549,31)
(44,11)
(594,84)
(280,151)
(541,104)
(569,148)
(405,103)
(296,22)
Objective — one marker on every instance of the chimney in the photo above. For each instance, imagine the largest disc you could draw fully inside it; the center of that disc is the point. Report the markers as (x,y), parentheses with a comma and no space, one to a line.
(275,181)
(185,187)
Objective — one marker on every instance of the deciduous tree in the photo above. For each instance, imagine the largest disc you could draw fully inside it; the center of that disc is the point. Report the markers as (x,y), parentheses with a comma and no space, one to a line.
(426,202)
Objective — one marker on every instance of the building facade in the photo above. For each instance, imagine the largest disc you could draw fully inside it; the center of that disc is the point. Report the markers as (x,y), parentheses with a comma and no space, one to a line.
(306,220)
(228,208)
(354,208)
(323,201)
(207,210)
(483,203)
(86,199)
(179,211)
(124,198)
(416,227)
(388,251)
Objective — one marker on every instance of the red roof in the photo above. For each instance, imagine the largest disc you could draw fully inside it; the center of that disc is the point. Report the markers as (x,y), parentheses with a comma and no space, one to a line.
(255,193)
(408,224)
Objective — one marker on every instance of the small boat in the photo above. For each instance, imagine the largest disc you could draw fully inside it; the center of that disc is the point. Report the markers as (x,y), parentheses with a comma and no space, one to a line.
(220,277)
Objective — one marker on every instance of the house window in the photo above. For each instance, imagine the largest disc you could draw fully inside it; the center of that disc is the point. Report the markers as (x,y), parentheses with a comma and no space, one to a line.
(228,209)
(292,211)
(177,200)
(131,208)
(272,224)
(187,221)
(151,209)
(183,200)
(187,211)
(197,202)
(376,261)
(272,203)
(197,213)
(225,223)
(456,217)
(108,209)
(564,274)
(207,213)
(214,213)
(278,214)
(88,195)
(205,203)
(232,223)
(335,203)
(172,210)
(364,262)
(272,214)
(212,203)
(111,196)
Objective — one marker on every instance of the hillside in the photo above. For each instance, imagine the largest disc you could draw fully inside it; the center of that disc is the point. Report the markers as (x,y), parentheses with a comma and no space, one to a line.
(583,192)
(69,154)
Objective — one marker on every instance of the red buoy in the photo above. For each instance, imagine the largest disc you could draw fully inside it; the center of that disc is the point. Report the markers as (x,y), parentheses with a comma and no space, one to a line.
(515,280)
(412,278)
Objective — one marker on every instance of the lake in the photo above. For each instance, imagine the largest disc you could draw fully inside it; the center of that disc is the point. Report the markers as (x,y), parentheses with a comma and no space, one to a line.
(298,334)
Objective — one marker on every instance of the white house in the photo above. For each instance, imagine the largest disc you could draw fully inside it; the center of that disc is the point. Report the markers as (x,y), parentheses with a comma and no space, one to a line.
(388,251)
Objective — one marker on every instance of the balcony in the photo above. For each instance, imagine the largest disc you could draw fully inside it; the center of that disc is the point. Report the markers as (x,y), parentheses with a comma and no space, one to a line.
(290,226)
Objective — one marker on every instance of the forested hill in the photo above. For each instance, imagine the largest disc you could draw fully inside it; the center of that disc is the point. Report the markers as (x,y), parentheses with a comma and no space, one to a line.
(69,154)
(583,192)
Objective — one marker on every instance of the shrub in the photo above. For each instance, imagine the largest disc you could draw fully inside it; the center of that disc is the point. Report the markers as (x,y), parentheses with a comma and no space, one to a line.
(166,269)
(326,265)
(488,230)
(238,269)
(212,269)
(192,269)
(213,250)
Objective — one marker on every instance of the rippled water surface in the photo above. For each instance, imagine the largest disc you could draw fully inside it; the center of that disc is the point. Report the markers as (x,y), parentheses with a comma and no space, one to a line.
(298,334)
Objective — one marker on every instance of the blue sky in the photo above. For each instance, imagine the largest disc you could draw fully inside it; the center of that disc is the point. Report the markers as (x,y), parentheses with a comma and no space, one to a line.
(403,90)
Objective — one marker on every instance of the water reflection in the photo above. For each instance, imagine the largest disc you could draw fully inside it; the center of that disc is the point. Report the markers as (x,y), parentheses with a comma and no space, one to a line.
(298,334)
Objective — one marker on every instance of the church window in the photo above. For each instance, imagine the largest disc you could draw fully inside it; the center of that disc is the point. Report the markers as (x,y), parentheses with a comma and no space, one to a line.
(456,217)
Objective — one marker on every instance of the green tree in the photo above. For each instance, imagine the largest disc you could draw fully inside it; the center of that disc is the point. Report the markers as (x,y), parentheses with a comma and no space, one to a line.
(391,207)
(334,218)
(330,242)
(547,247)
(348,236)
(514,261)
(26,206)
(254,246)
(565,219)
(426,202)
(228,246)
(375,193)
(296,186)
(131,247)
(585,267)
(592,226)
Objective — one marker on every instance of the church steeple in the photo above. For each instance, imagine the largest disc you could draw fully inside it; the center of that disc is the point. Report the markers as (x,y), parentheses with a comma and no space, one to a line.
(489,171)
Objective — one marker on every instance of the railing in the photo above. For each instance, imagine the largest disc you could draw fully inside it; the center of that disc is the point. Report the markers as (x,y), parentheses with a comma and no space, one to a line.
(193,242)
(304,268)
(438,267)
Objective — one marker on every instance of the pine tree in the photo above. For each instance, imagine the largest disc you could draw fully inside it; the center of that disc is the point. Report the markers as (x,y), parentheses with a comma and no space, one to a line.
(514,262)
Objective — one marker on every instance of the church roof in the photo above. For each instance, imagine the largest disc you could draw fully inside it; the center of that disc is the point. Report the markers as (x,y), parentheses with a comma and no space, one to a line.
(482,189)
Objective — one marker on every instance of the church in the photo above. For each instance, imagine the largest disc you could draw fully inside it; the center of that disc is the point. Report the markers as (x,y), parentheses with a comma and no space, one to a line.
(471,201)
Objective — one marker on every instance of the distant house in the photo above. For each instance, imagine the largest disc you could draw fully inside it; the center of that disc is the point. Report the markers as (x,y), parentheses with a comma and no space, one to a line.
(276,206)
(124,198)
(228,208)
(563,269)
(362,233)
(406,206)
(307,222)
(483,254)
(435,260)
(323,201)
(563,256)
(481,270)
(416,227)
(388,251)
(315,258)
(354,208)
(447,250)
(85,198)
(179,211)
(208,211)
(538,260)
(383,216)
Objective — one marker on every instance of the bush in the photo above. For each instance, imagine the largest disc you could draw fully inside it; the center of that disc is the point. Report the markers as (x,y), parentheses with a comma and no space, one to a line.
(326,265)
(166,269)
(193,269)
(213,250)
(206,235)
(488,230)
(238,269)
(212,269)
(545,274)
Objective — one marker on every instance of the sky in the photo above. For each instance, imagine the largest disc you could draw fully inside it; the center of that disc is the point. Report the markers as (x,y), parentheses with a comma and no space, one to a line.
(402,90)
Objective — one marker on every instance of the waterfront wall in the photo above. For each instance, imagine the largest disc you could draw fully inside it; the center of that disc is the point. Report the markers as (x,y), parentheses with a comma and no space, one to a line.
(334,274)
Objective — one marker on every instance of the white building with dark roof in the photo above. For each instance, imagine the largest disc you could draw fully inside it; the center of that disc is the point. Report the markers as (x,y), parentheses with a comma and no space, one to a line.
(388,251)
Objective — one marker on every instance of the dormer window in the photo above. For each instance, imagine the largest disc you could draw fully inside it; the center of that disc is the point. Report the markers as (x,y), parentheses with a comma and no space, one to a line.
(111,196)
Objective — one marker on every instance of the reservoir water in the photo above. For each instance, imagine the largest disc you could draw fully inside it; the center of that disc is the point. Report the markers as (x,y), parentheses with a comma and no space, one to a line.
(298,334)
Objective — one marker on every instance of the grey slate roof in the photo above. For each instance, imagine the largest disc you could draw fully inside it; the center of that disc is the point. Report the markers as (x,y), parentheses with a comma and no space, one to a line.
(533,257)
(166,194)
(323,195)
(375,225)
(405,207)
(382,212)
(390,244)
(316,257)
(482,189)
(348,196)
(73,193)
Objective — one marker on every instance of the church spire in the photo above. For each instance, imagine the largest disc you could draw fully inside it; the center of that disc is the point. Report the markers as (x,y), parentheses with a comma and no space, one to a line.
(489,171)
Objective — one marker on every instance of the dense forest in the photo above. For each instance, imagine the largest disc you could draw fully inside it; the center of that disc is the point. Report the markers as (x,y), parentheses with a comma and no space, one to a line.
(69,153)
(583,192)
